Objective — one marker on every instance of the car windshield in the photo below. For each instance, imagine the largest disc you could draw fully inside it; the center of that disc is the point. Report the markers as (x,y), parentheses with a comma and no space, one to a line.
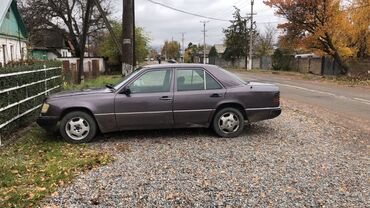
(127,78)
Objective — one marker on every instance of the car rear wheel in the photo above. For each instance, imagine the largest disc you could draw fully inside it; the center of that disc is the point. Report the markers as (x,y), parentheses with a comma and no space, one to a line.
(78,127)
(228,122)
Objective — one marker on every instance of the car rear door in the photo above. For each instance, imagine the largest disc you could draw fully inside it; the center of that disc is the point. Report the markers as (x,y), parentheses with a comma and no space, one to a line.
(149,105)
(196,96)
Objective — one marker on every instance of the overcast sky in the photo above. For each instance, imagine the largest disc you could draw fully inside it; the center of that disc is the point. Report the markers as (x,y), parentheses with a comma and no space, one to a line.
(164,24)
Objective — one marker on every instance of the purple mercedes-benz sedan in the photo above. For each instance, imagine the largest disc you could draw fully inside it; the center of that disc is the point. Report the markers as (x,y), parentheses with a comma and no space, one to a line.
(163,97)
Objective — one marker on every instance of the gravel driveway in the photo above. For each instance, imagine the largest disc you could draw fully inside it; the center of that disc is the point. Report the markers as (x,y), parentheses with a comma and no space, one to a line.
(295,160)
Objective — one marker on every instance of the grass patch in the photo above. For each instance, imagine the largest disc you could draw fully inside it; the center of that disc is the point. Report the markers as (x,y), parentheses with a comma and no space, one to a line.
(101,81)
(38,163)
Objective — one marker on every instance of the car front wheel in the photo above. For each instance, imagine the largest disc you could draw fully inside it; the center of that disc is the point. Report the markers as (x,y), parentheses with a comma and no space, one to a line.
(78,127)
(228,122)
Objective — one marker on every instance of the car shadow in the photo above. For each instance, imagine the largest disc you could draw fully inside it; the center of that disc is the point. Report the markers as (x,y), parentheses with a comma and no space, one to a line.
(183,134)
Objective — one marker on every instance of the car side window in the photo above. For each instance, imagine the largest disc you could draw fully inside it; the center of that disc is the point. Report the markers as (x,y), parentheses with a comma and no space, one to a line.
(190,79)
(152,82)
(212,84)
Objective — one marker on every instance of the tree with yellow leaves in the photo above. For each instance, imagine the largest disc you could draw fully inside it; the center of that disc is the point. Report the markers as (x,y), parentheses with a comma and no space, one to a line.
(171,49)
(359,14)
(322,26)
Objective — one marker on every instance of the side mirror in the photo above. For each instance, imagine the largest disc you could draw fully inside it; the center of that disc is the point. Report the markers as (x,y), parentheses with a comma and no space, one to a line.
(126,90)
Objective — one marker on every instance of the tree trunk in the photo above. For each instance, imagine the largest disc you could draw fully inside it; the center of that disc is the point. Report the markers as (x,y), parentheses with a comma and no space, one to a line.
(341,63)
(362,46)
(333,51)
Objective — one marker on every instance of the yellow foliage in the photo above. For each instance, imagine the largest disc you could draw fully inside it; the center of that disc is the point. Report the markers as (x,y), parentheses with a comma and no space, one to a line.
(332,29)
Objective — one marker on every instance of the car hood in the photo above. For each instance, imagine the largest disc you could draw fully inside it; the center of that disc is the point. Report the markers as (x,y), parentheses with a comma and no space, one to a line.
(80,93)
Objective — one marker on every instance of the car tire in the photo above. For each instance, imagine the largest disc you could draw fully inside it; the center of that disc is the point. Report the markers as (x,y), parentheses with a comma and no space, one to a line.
(228,123)
(78,127)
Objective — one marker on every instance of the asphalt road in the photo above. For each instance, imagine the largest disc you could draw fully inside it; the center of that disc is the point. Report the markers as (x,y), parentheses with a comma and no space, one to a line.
(346,105)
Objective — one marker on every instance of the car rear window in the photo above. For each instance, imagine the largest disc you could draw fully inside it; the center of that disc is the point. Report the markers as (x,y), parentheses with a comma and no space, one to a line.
(233,76)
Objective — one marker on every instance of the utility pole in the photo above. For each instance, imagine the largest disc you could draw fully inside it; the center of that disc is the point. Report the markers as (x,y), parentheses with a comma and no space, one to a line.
(204,40)
(183,47)
(128,32)
(134,31)
(251,39)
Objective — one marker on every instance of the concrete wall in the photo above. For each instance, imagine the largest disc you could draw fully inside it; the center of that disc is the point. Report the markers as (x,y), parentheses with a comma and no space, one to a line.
(239,63)
(266,62)
(258,63)
(87,63)
(51,56)
(93,67)
(11,49)
(359,68)
(315,66)
(311,65)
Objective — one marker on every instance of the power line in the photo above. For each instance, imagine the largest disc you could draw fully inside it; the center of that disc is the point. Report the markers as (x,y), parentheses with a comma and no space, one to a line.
(240,5)
(186,12)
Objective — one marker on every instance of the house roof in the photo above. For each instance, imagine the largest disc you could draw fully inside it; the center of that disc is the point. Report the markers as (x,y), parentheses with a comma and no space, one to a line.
(6,5)
(48,39)
(4,9)
(220,48)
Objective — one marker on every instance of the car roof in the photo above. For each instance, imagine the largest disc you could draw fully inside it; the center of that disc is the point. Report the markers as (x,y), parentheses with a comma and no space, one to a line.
(181,65)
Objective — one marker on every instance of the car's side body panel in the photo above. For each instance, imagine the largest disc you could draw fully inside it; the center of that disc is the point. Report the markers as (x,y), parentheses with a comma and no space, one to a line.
(144,111)
(194,108)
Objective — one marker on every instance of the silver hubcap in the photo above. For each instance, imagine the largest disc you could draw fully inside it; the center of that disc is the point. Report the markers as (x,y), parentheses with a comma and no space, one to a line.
(77,128)
(229,123)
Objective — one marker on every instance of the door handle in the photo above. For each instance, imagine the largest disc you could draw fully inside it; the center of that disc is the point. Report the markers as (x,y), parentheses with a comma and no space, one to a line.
(215,95)
(165,98)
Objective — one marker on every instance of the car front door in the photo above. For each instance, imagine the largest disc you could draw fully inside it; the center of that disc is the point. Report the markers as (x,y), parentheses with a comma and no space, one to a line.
(197,94)
(149,103)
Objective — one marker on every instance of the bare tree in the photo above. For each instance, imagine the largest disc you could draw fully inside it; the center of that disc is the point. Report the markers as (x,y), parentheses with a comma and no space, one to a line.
(265,41)
(75,19)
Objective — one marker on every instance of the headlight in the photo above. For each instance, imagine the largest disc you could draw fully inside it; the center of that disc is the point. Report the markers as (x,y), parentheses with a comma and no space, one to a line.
(45,108)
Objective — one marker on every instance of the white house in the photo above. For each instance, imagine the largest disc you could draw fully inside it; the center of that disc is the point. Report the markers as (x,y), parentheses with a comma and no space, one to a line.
(13,34)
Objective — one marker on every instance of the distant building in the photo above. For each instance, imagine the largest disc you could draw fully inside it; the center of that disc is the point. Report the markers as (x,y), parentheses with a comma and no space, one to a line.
(199,56)
(220,48)
(13,33)
(50,45)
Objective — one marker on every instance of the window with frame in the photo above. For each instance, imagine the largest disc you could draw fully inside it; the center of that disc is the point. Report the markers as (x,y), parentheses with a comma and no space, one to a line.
(195,79)
(11,52)
(190,79)
(152,82)
(211,83)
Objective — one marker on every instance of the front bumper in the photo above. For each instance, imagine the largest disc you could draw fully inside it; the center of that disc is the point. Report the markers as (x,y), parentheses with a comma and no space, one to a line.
(47,122)
(260,114)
